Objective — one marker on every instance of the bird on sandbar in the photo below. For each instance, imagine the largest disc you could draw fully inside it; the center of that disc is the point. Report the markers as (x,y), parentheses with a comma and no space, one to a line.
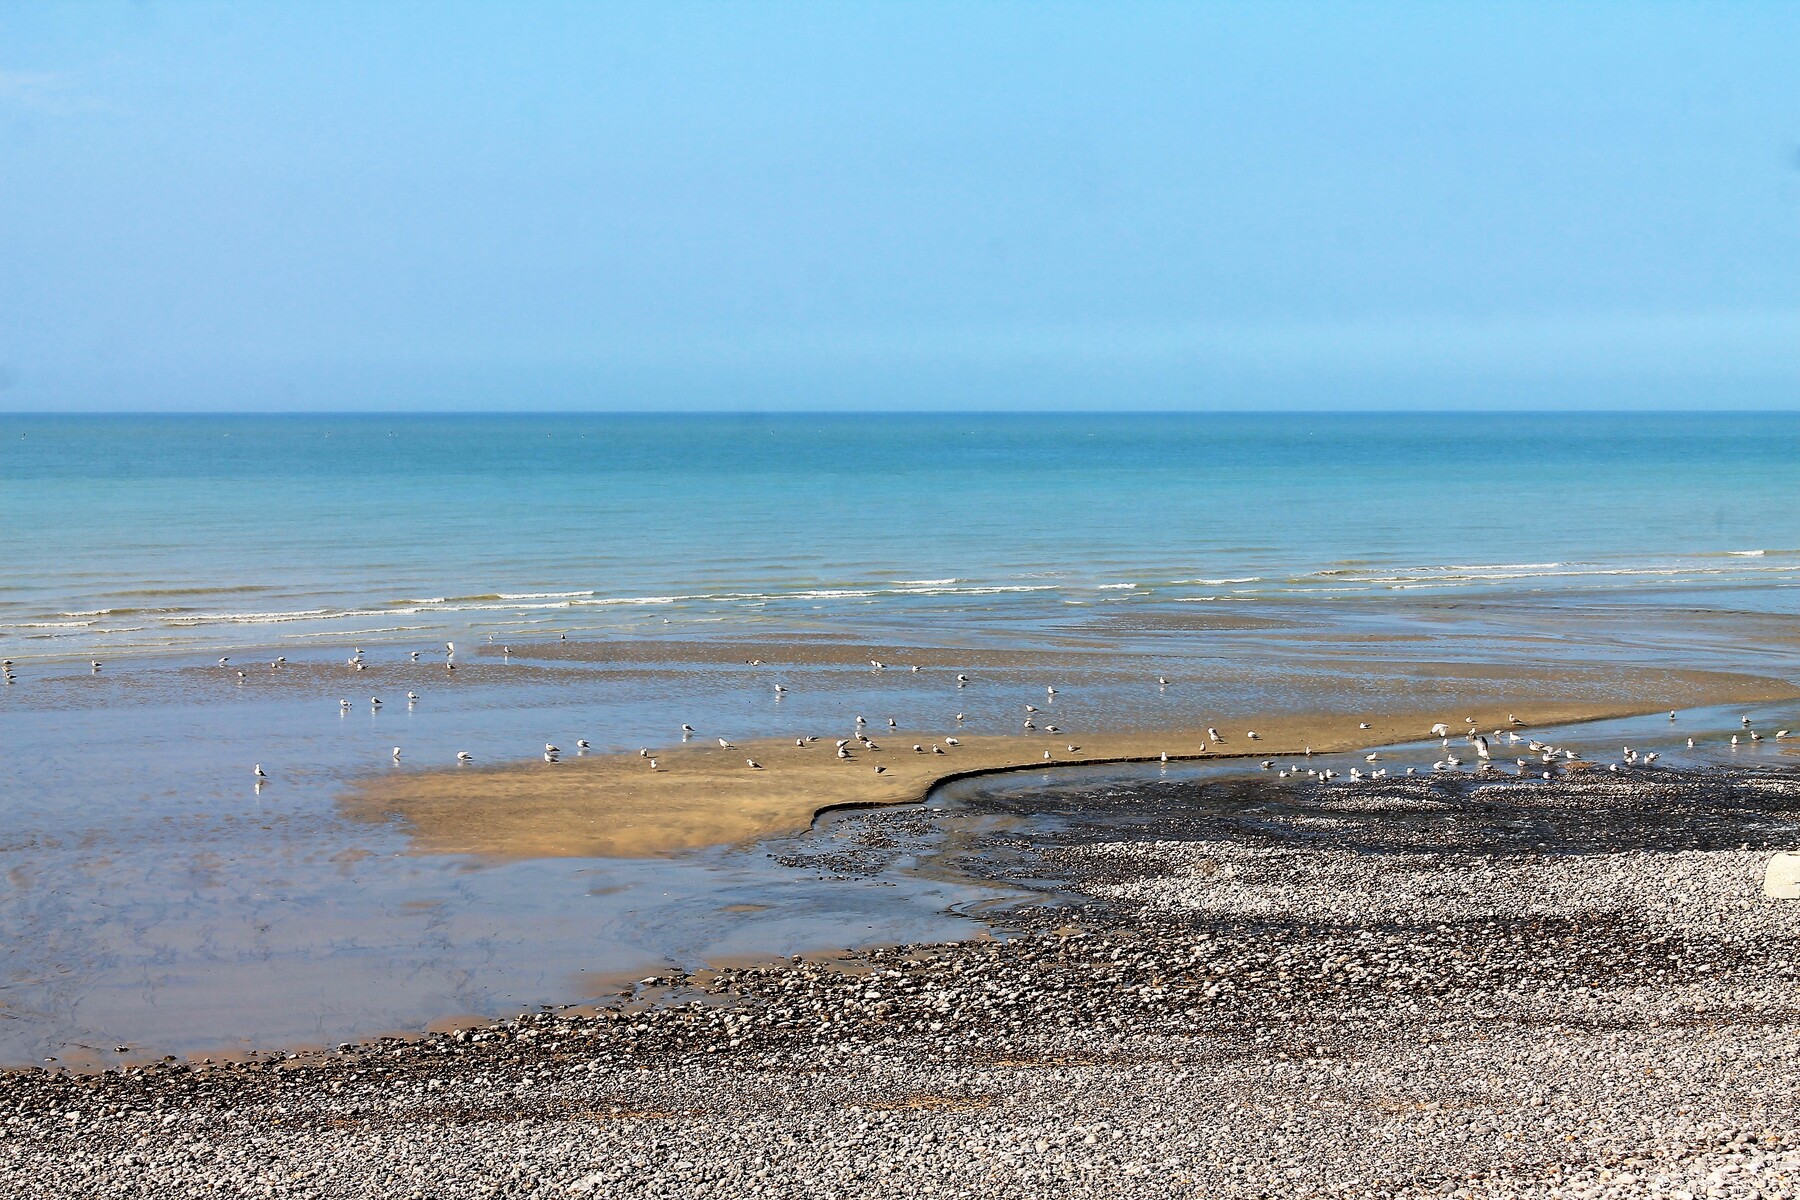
(1253,735)
(753,764)
(881,770)
(949,741)
(1046,756)
(550,748)
(1213,734)
(725,745)
(652,764)
(936,749)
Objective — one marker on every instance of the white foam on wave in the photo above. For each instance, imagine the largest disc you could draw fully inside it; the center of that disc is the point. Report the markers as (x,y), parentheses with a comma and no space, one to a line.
(545,595)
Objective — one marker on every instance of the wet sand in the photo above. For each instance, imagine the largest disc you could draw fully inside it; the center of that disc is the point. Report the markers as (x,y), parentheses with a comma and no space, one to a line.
(701,794)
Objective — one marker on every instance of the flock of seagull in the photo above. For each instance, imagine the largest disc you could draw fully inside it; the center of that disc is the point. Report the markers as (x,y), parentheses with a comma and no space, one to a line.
(1539,758)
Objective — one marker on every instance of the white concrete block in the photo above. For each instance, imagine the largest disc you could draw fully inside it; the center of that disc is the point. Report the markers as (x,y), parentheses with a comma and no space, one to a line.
(1782,880)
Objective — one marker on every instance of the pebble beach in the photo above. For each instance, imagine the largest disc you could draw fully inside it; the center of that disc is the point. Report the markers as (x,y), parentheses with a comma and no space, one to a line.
(1430,987)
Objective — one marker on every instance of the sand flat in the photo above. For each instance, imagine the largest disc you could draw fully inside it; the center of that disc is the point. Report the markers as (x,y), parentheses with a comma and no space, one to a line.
(615,805)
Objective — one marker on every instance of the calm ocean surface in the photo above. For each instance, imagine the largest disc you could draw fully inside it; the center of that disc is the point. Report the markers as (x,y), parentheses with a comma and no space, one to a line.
(183,533)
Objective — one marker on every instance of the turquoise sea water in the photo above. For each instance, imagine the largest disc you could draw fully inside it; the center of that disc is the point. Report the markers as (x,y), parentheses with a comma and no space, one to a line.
(141,533)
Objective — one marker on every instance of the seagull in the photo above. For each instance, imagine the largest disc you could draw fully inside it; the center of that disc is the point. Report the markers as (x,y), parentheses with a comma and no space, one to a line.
(1031,708)
(96,665)
(582,744)
(463,756)
(1046,756)
(1671,714)
(643,752)
(951,742)
(881,770)
(396,754)
(652,764)
(959,718)
(1049,691)
(842,751)
(1734,739)
(412,697)
(936,749)
(1371,757)
(343,705)
(1745,719)
(260,773)
(877,664)
(893,724)
(225,660)
(779,689)
(725,745)
(1213,734)
(374,701)
(449,647)
(1690,743)
(242,676)
(687,731)
(1440,730)
(552,749)
(1781,735)
(962,679)
(1165,756)
(415,656)
(753,764)
(918,749)
(1253,735)
(1513,720)
(1481,747)
(1162,681)
(1266,763)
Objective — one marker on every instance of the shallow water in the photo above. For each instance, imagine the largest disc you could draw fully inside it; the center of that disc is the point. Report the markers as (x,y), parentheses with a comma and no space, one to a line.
(155,899)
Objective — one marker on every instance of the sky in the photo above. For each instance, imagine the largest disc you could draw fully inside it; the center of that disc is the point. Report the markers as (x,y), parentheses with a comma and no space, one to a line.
(870,206)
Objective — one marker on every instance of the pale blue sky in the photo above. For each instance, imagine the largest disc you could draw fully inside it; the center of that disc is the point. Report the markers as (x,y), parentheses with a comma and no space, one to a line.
(841,205)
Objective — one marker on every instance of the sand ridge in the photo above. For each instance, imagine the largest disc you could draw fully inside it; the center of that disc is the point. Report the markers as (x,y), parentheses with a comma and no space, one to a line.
(701,794)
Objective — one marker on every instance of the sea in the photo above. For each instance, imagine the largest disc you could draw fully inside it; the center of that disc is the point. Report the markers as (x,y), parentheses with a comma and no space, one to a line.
(157,898)
(151,534)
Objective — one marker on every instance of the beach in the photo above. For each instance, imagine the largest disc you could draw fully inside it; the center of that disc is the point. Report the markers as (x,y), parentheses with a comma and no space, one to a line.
(1430,987)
